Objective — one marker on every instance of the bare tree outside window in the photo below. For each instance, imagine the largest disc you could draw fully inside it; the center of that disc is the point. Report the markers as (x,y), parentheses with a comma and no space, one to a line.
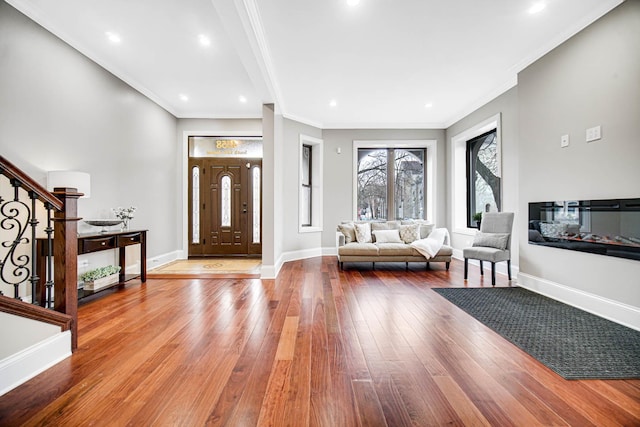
(390,189)
(483,182)
(409,184)
(372,184)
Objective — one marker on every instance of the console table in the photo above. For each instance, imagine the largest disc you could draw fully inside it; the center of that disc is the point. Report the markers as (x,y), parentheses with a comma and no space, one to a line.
(95,242)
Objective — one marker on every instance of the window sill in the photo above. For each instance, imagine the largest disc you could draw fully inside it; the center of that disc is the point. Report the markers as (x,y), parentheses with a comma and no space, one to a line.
(466,231)
(309,229)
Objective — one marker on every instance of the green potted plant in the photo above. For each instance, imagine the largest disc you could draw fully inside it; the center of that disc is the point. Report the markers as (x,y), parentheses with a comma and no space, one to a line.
(477,217)
(100,277)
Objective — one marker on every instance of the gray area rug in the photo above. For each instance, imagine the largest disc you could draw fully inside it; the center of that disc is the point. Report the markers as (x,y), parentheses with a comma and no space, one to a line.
(573,343)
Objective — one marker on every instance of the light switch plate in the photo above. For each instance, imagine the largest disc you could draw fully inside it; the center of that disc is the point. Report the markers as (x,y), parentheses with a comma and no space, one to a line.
(594,133)
(564,141)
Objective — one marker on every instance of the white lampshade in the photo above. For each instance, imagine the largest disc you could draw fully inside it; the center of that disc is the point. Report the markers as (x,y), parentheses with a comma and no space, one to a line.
(69,179)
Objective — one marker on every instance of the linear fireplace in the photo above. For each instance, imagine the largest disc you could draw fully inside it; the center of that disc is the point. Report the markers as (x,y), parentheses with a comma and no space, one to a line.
(606,227)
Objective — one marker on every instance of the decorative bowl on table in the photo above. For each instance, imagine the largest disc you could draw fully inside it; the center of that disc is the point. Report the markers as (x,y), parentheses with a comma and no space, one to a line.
(104,223)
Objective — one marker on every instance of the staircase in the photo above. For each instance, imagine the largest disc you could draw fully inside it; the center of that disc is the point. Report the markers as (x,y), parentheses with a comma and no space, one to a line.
(38,309)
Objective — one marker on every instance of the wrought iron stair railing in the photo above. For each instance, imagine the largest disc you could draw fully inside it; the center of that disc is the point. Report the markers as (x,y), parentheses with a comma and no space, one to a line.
(22,201)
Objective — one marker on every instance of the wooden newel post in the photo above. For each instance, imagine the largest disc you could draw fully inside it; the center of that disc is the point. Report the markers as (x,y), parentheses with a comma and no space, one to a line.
(65,254)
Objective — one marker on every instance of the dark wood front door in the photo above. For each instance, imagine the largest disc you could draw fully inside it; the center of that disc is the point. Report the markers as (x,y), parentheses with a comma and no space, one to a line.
(224,206)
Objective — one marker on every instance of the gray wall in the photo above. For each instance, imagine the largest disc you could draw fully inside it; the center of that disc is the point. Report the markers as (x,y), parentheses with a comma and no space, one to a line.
(293,240)
(507,105)
(59,110)
(592,79)
(338,172)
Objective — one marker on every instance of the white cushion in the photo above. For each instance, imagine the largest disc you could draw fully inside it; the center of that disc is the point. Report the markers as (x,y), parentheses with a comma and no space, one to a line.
(387,236)
(363,233)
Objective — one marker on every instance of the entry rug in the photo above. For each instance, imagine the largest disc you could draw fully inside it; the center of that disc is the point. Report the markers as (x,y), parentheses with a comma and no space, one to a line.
(573,343)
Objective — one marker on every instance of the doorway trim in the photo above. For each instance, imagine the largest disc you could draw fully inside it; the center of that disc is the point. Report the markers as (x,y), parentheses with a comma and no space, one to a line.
(184,163)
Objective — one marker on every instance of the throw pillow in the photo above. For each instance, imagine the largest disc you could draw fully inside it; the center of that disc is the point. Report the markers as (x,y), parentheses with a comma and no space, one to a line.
(377,226)
(363,233)
(425,230)
(387,236)
(410,233)
(349,232)
(491,240)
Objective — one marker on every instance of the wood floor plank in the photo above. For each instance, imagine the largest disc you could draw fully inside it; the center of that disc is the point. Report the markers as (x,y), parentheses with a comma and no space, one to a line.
(318,346)
(370,413)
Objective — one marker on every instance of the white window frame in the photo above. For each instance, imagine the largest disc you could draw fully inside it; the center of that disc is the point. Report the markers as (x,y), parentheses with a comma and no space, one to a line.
(459,146)
(316,183)
(431,161)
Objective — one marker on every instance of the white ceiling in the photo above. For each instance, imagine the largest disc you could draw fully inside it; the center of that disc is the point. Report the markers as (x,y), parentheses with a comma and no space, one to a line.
(381,61)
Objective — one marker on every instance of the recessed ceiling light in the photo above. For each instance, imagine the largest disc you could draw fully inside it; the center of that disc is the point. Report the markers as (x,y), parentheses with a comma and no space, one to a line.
(353,2)
(333,103)
(242,99)
(537,7)
(184,97)
(113,37)
(204,40)
(428,105)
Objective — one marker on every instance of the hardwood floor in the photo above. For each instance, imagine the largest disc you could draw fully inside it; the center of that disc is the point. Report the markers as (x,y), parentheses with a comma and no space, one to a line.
(316,347)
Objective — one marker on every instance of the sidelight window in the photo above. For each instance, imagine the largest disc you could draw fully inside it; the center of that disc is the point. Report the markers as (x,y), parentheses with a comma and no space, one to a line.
(256,205)
(225,201)
(195,205)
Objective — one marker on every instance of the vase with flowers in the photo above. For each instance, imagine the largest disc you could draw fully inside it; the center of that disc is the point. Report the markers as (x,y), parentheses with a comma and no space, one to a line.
(125,214)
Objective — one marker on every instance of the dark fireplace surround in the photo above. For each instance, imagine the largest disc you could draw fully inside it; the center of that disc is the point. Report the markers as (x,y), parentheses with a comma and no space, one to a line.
(606,227)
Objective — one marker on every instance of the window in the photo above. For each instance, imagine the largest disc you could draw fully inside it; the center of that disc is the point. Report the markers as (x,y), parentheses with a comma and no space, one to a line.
(483,181)
(256,188)
(305,182)
(408,200)
(195,205)
(476,172)
(310,184)
(372,184)
(394,179)
(225,202)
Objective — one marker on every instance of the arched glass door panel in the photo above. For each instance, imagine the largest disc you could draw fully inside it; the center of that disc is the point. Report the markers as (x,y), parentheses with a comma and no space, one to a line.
(225,202)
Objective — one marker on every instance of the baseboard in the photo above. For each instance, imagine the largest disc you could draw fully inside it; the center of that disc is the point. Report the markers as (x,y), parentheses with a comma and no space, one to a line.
(301,254)
(271,271)
(26,364)
(501,267)
(330,251)
(160,260)
(609,309)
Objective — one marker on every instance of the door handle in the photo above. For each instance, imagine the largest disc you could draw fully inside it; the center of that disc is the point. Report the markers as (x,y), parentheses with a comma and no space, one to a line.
(244,211)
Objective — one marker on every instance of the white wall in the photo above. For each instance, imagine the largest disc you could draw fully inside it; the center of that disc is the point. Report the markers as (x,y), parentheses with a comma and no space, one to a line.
(18,333)
(272,191)
(592,79)
(60,110)
(338,172)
